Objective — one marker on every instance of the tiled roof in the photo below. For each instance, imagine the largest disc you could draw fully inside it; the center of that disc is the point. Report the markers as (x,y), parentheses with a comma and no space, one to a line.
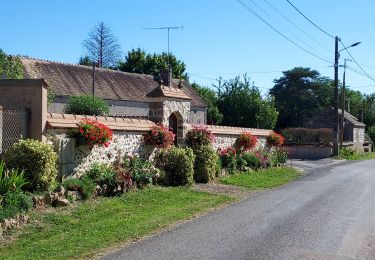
(63,121)
(326,119)
(69,80)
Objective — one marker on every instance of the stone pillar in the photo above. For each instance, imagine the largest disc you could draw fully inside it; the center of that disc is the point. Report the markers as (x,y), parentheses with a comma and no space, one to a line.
(65,149)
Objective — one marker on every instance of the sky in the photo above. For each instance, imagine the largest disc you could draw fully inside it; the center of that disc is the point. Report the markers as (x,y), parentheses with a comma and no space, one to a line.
(220,38)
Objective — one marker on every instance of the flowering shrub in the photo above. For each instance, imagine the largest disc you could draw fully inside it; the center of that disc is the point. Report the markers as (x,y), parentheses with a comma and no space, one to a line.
(263,157)
(245,142)
(92,133)
(142,172)
(275,139)
(228,158)
(160,136)
(199,135)
(278,156)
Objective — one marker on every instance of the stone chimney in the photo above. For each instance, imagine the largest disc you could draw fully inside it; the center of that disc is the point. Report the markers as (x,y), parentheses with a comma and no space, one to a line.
(166,76)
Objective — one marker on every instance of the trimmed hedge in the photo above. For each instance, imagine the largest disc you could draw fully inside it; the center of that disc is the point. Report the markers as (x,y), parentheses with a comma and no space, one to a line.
(37,160)
(206,166)
(307,136)
(178,165)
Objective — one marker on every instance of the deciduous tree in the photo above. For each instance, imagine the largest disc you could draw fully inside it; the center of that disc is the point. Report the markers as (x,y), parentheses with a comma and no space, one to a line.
(138,61)
(299,94)
(102,46)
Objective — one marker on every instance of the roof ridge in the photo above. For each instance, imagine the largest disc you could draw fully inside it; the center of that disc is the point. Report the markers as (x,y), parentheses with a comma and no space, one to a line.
(84,66)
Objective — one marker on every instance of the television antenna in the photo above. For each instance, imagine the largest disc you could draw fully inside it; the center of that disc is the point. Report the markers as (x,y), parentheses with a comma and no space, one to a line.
(168,28)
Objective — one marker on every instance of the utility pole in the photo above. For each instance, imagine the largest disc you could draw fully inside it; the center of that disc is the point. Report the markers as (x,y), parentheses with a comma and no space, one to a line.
(335,150)
(342,126)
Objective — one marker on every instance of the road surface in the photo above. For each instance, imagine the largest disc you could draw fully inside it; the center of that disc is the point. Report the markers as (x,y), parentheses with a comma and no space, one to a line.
(328,214)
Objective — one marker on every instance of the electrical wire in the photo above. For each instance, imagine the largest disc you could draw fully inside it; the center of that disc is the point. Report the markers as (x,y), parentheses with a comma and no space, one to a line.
(286,29)
(299,28)
(359,66)
(280,33)
(325,32)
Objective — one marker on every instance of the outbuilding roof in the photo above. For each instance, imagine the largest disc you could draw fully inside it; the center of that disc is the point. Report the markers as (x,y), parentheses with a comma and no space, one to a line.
(71,79)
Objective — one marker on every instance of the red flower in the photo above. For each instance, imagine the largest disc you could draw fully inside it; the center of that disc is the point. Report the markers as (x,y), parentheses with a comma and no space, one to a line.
(94,132)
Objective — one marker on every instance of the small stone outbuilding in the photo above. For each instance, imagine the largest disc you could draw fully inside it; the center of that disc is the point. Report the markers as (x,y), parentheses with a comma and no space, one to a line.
(354,130)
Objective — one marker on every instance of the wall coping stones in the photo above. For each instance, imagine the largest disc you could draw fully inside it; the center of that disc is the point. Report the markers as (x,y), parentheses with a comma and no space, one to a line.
(231,130)
(56,120)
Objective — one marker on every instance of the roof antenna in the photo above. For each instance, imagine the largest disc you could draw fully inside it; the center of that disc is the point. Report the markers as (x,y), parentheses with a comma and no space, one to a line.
(168,28)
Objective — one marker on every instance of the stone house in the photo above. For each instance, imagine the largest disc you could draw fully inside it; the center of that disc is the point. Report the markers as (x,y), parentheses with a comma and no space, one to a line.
(354,130)
(169,101)
(136,102)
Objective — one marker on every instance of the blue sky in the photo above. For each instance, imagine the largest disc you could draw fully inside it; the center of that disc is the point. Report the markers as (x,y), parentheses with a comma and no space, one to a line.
(220,37)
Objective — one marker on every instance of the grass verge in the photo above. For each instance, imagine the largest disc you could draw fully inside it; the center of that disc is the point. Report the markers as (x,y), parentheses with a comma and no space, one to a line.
(263,179)
(359,156)
(105,222)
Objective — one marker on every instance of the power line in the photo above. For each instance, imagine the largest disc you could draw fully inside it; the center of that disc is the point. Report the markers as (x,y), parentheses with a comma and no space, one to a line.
(330,35)
(299,28)
(359,66)
(277,31)
(284,27)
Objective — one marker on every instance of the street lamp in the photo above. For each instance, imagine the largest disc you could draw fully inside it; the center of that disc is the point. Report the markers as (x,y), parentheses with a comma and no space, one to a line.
(336,96)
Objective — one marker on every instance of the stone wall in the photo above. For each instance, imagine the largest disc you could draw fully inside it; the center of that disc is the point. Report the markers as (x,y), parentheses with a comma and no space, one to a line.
(223,141)
(127,139)
(75,159)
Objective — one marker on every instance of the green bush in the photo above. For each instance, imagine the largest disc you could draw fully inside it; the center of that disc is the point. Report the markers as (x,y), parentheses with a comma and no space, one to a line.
(228,159)
(252,161)
(307,136)
(206,164)
(85,186)
(18,199)
(142,172)
(347,153)
(13,203)
(101,173)
(278,156)
(113,180)
(241,163)
(36,159)
(87,105)
(10,180)
(178,165)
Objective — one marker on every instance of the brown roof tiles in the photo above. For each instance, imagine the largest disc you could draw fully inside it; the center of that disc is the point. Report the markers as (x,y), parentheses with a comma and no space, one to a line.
(70,80)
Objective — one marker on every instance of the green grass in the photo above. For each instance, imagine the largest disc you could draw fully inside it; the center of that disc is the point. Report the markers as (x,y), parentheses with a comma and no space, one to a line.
(359,156)
(262,179)
(98,224)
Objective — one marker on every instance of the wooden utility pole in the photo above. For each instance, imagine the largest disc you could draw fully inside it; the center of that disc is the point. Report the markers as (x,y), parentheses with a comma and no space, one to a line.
(335,150)
(342,125)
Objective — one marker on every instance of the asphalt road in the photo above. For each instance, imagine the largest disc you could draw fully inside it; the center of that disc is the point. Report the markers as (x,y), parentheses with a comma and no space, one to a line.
(328,214)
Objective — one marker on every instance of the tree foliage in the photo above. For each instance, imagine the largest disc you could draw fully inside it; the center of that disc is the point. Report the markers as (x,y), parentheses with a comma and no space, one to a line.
(214,116)
(243,105)
(299,94)
(138,61)
(10,67)
(102,46)
(85,60)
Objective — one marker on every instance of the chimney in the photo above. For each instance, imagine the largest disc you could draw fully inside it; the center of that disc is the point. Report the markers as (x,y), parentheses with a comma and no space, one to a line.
(361,115)
(166,76)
